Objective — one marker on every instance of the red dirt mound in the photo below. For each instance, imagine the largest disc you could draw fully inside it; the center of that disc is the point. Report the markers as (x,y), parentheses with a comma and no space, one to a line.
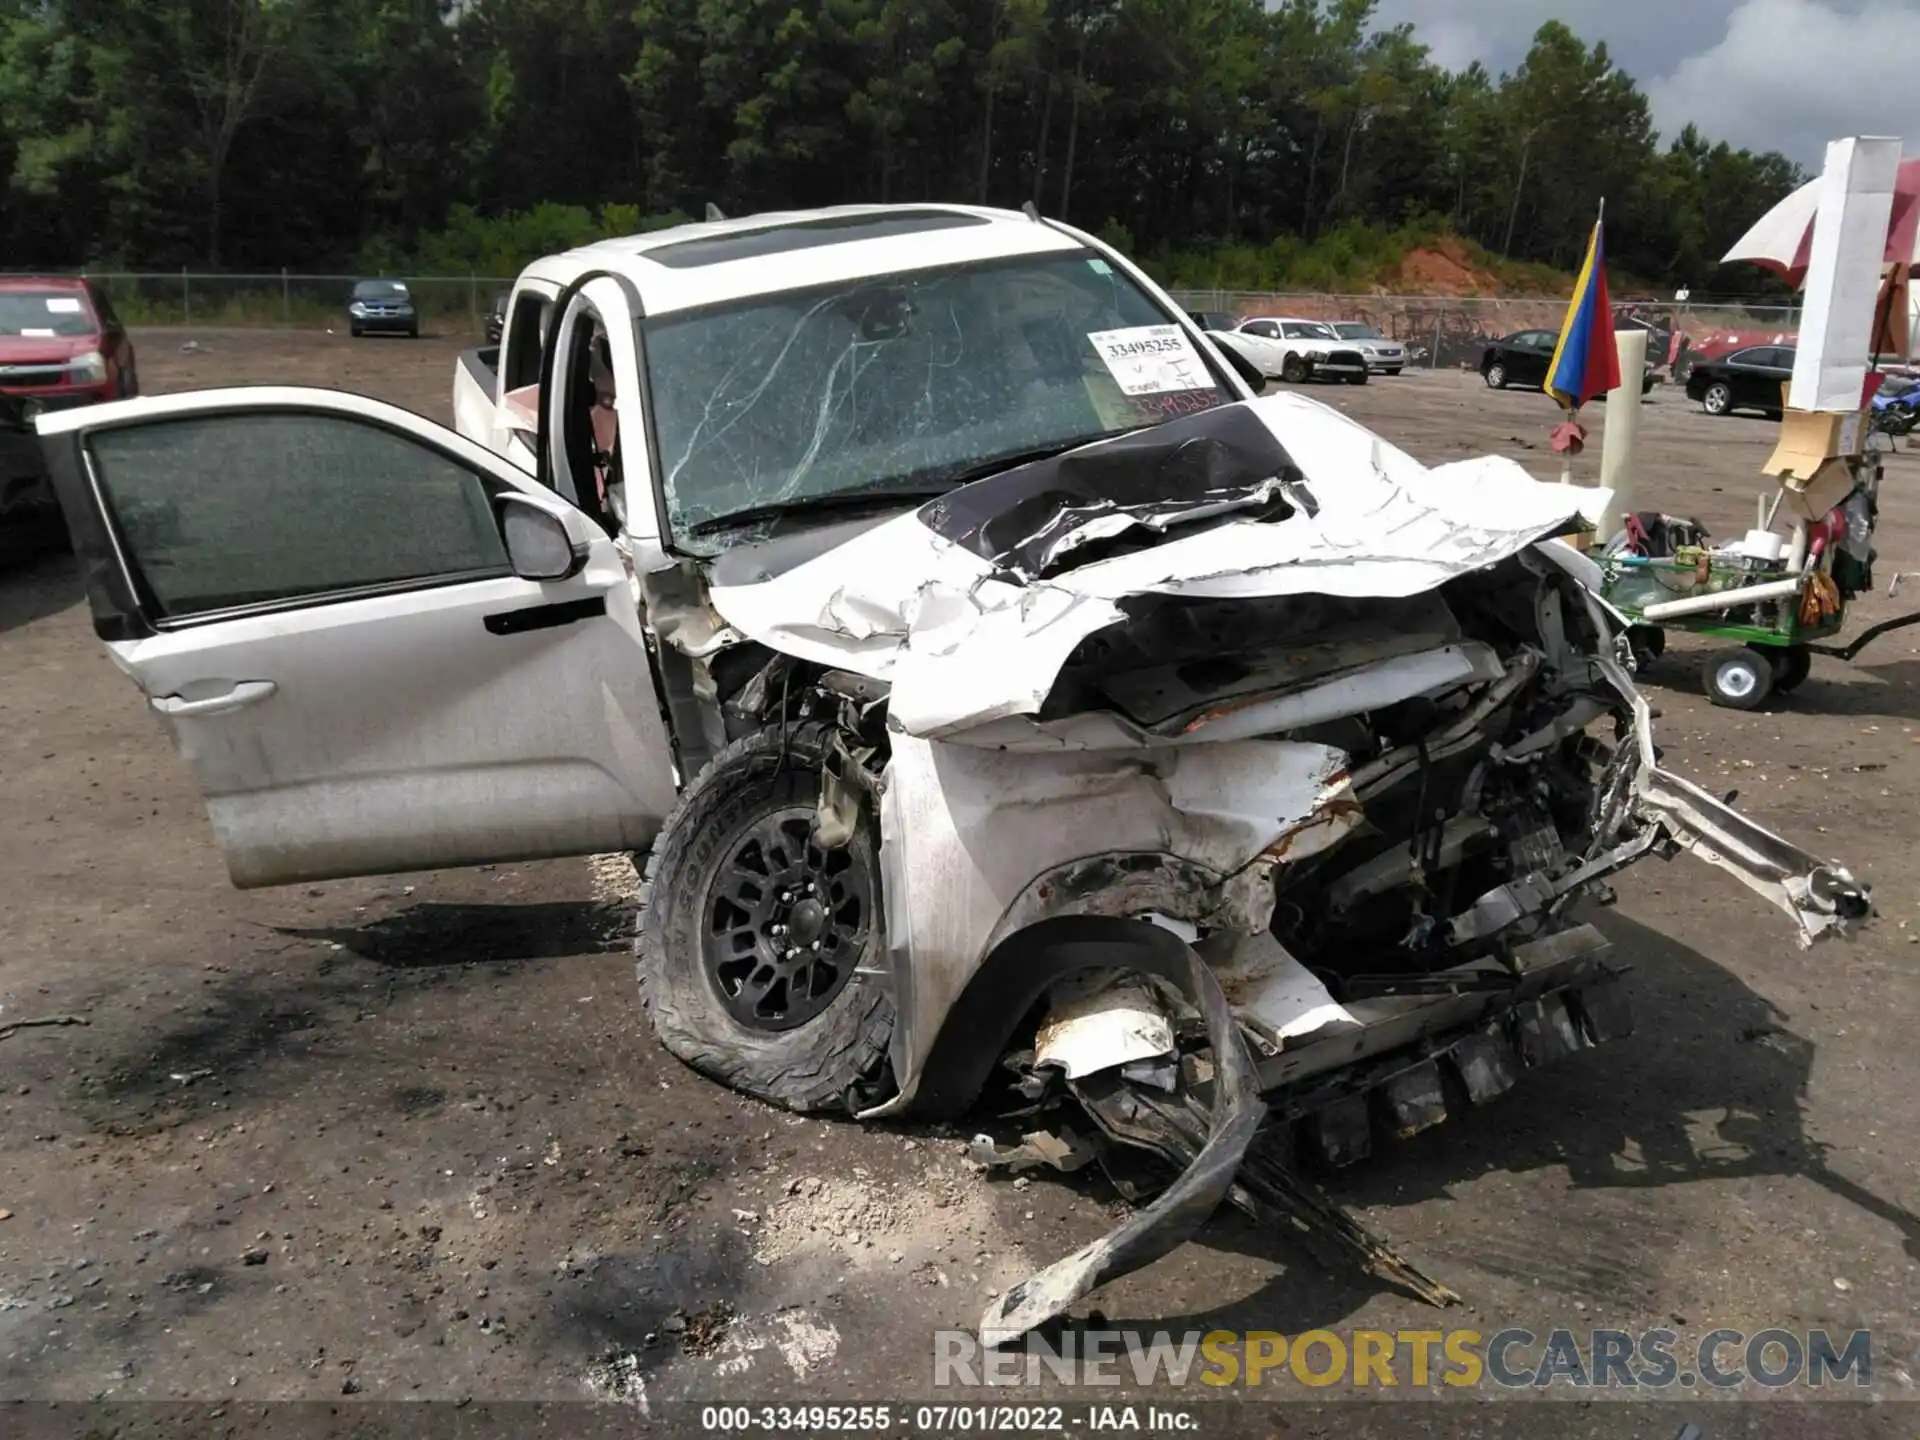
(1443,269)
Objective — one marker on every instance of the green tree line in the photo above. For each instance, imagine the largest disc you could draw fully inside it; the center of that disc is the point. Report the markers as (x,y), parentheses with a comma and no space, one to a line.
(1229,141)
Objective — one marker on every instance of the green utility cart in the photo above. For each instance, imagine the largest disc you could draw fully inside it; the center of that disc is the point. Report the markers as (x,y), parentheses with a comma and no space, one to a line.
(1756,595)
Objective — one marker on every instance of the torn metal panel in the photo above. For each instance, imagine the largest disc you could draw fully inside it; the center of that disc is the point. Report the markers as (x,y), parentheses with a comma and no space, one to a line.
(1366,687)
(1179,1210)
(962,644)
(1102,1022)
(676,605)
(1820,896)
(968,833)
(1273,995)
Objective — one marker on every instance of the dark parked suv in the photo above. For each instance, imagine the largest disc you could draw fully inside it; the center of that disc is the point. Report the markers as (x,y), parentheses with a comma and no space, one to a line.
(382,307)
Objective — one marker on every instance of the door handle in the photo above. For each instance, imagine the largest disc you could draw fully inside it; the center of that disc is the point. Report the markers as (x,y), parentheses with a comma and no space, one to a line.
(247,692)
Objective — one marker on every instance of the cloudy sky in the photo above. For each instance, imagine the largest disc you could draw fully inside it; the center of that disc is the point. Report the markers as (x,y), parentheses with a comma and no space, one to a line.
(1784,75)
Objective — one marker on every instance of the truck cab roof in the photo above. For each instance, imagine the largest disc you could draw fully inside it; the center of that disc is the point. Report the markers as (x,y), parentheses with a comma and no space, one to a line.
(712,262)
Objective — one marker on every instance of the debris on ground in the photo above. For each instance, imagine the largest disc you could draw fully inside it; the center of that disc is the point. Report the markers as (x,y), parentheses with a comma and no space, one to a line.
(705,1329)
(616,1377)
(41,1022)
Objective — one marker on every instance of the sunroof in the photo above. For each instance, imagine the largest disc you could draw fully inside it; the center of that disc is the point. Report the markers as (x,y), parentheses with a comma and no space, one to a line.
(805,235)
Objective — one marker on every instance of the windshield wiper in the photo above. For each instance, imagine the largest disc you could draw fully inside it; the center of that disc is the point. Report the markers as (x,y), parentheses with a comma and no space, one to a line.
(925,484)
(993,465)
(804,504)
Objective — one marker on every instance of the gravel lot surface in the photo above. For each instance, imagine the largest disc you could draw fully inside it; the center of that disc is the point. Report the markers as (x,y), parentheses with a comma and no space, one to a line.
(411,1138)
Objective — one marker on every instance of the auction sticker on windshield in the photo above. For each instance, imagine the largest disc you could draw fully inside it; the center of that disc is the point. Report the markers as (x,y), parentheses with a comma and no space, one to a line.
(1151,359)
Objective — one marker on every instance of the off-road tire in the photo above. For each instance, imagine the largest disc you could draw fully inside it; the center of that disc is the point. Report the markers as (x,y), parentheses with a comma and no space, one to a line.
(1294,369)
(815,1066)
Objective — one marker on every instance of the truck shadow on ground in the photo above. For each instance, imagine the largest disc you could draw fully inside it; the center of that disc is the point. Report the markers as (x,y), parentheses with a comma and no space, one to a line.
(1885,690)
(35,580)
(430,935)
(255,1031)
(1709,1087)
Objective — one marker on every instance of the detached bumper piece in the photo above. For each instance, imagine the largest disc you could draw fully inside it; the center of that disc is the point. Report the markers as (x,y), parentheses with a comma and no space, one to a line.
(1181,1209)
(1232,1142)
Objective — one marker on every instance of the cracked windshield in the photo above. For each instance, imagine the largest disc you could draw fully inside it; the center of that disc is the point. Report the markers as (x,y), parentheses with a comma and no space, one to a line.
(906,386)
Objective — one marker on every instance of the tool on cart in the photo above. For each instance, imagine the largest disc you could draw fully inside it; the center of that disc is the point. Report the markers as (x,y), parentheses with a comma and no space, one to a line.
(1776,595)
(1783,587)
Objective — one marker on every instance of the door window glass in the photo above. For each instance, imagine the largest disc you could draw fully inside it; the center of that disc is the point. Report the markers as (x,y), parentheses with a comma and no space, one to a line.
(526,339)
(219,511)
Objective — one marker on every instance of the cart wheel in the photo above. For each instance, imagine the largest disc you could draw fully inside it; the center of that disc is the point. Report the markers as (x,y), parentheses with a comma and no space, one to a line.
(1649,643)
(1739,679)
(1790,665)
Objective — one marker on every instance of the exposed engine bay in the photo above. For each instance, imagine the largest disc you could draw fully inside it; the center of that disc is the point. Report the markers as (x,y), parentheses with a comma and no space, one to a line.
(1187,862)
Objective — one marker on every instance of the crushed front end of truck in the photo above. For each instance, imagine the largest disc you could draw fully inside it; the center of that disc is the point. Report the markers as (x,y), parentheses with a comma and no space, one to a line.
(1227,787)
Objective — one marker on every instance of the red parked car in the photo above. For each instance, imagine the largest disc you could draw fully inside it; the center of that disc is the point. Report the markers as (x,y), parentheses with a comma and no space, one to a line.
(61,345)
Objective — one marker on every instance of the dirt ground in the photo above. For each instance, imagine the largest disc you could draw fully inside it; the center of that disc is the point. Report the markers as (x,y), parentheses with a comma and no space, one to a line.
(411,1138)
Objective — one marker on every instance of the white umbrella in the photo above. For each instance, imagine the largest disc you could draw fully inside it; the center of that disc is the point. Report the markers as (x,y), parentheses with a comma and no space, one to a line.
(1781,239)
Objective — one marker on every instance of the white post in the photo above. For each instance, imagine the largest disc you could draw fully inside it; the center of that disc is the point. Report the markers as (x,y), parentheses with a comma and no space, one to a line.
(1622,429)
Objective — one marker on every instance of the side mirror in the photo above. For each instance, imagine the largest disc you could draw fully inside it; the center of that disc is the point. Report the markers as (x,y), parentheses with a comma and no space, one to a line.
(538,546)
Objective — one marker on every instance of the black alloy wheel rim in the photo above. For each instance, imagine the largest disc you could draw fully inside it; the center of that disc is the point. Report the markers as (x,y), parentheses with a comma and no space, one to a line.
(786,922)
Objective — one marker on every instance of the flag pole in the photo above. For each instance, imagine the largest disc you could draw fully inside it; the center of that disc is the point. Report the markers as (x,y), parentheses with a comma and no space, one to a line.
(1573,411)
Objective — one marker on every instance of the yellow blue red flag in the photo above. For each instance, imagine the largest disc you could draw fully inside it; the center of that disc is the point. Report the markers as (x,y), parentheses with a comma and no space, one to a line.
(1585,361)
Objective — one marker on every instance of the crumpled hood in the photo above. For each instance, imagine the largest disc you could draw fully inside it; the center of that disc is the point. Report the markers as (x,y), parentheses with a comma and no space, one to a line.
(970,605)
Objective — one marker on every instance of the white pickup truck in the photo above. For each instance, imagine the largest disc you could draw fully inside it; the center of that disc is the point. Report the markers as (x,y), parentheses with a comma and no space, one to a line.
(936,608)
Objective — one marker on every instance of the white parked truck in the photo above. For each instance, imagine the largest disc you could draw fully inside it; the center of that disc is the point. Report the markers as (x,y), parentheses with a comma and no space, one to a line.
(1005,702)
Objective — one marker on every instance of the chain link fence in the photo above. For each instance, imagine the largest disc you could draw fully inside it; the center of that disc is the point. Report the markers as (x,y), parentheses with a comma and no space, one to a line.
(184,297)
(1441,332)
(1445,331)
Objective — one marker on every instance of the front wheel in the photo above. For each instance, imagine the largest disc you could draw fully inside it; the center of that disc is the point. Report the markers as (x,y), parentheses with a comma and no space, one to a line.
(1739,679)
(1717,399)
(1496,376)
(1359,379)
(751,934)
(1294,369)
